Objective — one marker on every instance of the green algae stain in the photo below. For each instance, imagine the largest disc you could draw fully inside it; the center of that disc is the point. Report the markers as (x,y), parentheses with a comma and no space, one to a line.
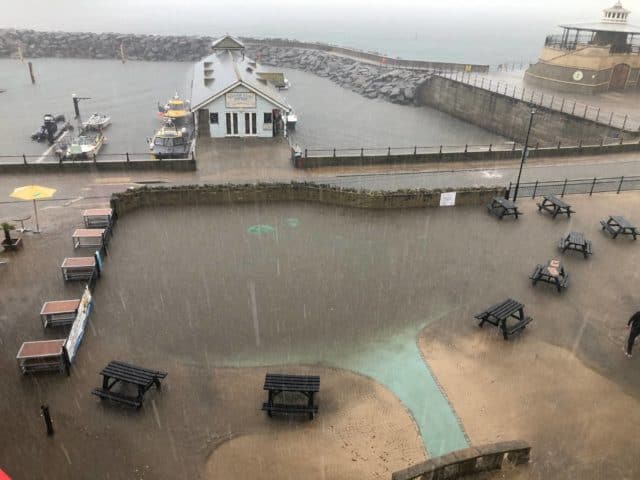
(261,229)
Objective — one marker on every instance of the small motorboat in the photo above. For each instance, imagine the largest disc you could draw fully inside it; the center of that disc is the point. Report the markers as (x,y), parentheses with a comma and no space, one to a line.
(291,119)
(97,121)
(84,146)
(49,130)
(171,142)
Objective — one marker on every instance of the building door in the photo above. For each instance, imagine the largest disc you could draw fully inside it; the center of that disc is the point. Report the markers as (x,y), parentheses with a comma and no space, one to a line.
(250,123)
(619,76)
(232,123)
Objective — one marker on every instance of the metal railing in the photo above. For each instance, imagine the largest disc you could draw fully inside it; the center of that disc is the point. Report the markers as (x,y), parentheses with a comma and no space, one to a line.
(348,152)
(24,159)
(547,100)
(578,186)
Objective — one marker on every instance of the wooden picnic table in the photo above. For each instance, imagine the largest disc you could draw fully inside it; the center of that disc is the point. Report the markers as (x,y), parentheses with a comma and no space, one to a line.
(553,273)
(500,314)
(43,355)
(307,385)
(555,206)
(59,312)
(98,218)
(124,373)
(79,268)
(502,207)
(89,237)
(617,225)
(575,241)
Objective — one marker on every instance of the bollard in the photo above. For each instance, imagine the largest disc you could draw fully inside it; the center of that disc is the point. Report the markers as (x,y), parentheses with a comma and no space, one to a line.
(47,418)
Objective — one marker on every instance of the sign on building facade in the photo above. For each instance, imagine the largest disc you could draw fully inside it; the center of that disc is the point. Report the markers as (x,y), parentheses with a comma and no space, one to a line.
(240,100)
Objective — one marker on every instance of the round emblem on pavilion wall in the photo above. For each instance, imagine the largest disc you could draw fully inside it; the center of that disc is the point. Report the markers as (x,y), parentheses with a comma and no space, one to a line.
(578,75)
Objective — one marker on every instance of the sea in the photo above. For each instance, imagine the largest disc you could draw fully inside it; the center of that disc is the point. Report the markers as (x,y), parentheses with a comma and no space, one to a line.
(495,32)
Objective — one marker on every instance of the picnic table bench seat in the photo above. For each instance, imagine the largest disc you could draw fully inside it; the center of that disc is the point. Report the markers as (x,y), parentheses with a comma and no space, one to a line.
(89,237)
(78,268)
(554,206)
(117,397)
(499,313)
(121,372)
(501,207)
(576,241)
(540,274)
(42,355)
(618,225)
(307,385)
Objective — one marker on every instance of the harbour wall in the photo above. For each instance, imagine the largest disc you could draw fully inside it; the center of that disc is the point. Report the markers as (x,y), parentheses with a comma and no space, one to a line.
(133,199)
(509,116)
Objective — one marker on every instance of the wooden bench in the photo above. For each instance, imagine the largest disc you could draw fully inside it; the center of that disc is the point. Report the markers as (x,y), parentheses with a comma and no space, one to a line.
(501,207)
(43,355)
(98,218)
(618,225)
(541,273)
(499,314)
(554,206)
(575,241)
(89,237)
(79,268)
(117,397)
(307,385)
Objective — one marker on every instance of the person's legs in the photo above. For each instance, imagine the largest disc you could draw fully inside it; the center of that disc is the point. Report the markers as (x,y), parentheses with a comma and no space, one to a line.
(632,337)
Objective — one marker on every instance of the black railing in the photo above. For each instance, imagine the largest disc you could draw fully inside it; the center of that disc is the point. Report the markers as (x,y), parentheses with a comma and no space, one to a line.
(577,186)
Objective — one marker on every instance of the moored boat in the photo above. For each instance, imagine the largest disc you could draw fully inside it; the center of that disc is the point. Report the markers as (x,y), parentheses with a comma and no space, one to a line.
(84,146)
(97,121)
(291,119)
(49,130)
(171,142)
(176,110)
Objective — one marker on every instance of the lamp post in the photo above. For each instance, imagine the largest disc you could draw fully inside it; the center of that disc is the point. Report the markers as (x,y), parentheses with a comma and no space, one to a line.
(524,153)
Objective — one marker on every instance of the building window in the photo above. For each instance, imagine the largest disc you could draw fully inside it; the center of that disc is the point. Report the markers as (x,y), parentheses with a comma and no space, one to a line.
(267,118)
(213,118)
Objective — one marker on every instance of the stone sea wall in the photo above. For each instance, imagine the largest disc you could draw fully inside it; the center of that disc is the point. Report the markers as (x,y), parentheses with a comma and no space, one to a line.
(290,192)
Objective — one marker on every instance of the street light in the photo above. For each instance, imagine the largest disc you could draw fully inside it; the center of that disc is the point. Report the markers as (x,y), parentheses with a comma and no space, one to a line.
(524,152)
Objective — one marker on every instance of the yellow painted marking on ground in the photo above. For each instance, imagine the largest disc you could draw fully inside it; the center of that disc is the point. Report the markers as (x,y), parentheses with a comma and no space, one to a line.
(112,180)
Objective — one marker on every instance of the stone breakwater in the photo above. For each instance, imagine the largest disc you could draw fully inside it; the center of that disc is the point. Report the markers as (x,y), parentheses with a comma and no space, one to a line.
(397,85)
(367,78)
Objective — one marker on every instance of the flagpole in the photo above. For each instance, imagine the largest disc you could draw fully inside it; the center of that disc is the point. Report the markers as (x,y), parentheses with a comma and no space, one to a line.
(35,209)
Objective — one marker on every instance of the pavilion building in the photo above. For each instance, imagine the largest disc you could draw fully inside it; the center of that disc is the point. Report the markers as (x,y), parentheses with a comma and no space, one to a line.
(233,96)
(590,57)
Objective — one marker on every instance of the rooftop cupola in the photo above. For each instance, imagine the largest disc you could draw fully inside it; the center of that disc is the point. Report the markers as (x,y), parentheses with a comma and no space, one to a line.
(615,14)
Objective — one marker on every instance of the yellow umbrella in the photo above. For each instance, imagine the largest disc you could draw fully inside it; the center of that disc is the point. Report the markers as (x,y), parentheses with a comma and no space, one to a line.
(33,192)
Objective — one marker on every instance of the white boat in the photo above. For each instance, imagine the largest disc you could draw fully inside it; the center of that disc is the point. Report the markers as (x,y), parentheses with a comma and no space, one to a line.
(291,119)
(97,121)
(285,85)
(84,146)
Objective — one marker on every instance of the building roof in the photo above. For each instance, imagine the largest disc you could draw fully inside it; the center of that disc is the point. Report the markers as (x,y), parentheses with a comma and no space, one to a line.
(603,27)
(227,43)
(223,71)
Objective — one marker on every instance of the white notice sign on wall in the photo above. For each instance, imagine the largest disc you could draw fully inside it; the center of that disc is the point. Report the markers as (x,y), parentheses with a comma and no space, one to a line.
(240,100)
(447,199)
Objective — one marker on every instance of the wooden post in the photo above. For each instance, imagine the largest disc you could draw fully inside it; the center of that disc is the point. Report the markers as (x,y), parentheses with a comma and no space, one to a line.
(33,77)
(47,418)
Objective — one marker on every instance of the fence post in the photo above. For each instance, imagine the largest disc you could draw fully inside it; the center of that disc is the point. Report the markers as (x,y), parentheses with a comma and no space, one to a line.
(514,92)
(532,93)
(505,88)
(541,99)
(592,185)
(513,147)
(573,110)
(508,192)
(361,152)
(127,157)
(553,97)
(440,149)
(562,105)
(564,187)
(598,114)
(620,185)
(535,188)
(490,145)
(537,145)
(388,152)
(584,115)
(559,143)
(415,150)
(24,158)
(465,148)
(601,141)
(522,96)
(621,140)
(610,118)
(624,124)
(95,160)
(334,153)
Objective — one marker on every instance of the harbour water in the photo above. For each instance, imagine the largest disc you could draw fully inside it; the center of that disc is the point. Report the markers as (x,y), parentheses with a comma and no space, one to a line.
(329,115)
